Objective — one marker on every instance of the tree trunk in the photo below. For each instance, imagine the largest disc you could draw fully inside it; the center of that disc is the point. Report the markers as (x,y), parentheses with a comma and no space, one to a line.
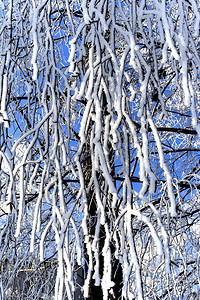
(95,292)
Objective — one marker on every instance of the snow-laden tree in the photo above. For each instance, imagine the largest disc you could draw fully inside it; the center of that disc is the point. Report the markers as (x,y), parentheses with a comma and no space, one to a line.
(99,149)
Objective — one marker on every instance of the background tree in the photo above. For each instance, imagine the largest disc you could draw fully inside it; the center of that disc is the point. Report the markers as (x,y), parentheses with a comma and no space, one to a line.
(99,154)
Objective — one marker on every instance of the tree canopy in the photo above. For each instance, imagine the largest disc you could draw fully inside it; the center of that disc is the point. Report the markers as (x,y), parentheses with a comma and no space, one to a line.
(99,149)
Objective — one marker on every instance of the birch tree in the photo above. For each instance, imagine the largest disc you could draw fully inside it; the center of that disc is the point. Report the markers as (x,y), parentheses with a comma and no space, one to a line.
(99,149)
